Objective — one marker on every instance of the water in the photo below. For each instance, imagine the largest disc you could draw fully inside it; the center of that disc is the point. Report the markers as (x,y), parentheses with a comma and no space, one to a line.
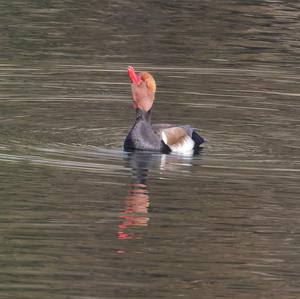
(80,218)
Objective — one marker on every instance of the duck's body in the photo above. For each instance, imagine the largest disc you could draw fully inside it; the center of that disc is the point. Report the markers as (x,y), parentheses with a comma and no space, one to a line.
(155,137)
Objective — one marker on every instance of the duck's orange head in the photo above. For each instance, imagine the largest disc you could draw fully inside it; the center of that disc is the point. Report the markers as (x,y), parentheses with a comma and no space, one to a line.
(143,89)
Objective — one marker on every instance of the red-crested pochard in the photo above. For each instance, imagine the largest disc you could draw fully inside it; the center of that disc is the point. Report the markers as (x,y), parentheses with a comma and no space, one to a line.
(155,137)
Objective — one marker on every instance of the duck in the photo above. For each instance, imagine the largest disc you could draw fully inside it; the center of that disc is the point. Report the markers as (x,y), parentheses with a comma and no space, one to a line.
(146,136)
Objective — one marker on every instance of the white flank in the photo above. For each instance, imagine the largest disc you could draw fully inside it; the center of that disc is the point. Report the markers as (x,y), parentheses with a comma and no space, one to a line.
(177,140)
(164,137)
(186,144)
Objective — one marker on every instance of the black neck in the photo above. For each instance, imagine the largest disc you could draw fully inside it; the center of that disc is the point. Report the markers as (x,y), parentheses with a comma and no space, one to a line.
(143,115)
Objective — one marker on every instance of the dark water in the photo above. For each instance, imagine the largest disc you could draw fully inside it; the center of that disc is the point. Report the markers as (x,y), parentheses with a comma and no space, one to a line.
(79,218)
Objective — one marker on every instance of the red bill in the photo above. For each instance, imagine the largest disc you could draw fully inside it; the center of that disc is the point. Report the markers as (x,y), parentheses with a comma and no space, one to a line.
(135,78)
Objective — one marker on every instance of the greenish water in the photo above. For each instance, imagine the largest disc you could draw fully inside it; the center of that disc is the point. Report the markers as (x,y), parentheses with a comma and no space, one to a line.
(80,218)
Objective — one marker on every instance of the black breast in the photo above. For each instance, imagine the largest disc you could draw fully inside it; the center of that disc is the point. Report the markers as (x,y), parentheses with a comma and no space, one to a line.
(142,135)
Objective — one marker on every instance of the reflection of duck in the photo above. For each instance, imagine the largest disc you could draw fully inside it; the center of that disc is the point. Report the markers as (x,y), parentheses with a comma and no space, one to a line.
(135,214)
(159,137)
(137,199)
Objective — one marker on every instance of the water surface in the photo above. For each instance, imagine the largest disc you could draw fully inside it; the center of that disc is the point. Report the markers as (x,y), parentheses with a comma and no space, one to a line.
(80,218)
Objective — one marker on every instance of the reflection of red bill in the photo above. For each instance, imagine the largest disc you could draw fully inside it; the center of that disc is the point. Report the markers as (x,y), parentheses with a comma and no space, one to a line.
(133,76)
